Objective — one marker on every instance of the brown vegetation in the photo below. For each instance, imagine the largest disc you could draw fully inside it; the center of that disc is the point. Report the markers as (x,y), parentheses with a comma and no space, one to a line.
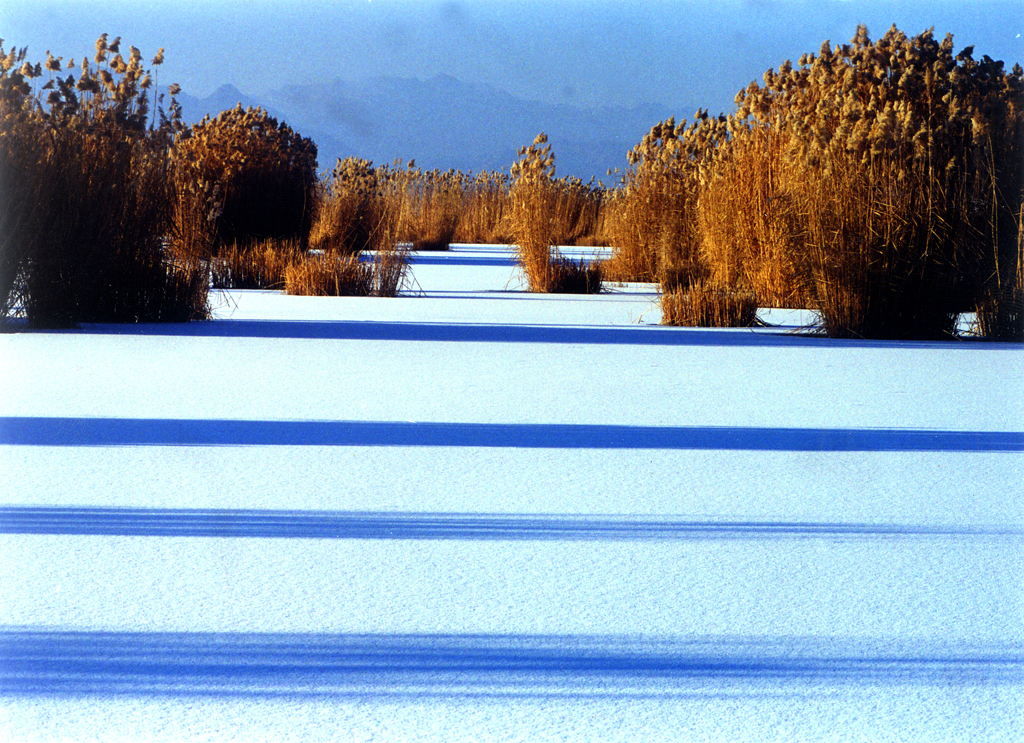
(329,275)
(877,183)
(483,217)
(704,304)
(241,178)
(336,275)
(542,210)
(258,266)
(83,201)
(430,205)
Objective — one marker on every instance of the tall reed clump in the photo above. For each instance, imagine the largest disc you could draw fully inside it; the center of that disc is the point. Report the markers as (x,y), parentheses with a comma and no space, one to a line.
(654,221)
(651,218)
(359,212)
(750,232)
(351,209)
(534,203)
(667,168)
(258,266)
(485,209)
(878,183)
(83,202)
(431,207)
(900,186)
(242,178)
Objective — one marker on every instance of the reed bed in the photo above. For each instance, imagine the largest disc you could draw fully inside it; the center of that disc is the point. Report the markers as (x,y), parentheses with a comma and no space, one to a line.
(259,266)
(704,304)
(484,215)
(84,200)
(350,209)
(329,276)
(651,220)
(241,178)
(879,183)
(430,206)
(383,274)
(624,219)
(540,207)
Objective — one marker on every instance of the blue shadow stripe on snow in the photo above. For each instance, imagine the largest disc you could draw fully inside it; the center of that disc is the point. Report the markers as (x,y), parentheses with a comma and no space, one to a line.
(367,330)
(53,431)
(54,662)
(285,524)
(445,258)
(634,335)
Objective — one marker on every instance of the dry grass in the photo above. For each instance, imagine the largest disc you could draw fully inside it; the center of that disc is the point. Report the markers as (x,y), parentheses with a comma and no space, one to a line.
(750,234)
(651,220)
(84,203)
(1000,311)
(634,257)
(335,275)
(429,210)
(576,277)
(431,207)
(350,209)
(706,305)
(532,198)
(1002,317)
(576,211)
(879,183)
(329,276)
(543,209)
(484,214)
(259,266)
(242,178)
(390,270)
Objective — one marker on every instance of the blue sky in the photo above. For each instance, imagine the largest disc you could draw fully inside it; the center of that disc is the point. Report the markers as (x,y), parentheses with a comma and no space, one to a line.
(682,53)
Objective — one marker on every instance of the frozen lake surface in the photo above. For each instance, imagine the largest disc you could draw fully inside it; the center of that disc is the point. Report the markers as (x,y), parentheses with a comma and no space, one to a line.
(472,513)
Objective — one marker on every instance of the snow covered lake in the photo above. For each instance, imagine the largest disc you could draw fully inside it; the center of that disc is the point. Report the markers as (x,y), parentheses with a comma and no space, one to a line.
(471,513)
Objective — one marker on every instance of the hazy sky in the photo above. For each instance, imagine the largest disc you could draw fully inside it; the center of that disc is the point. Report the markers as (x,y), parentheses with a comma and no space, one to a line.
(683,53)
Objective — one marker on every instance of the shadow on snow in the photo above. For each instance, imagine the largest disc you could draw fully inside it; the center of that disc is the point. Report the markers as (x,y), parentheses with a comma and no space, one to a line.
(641,335)
(445,258)
(53,431)
(290,524)
(53,662)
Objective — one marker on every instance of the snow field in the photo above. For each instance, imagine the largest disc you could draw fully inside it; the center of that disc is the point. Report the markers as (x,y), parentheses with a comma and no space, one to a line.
(768,576)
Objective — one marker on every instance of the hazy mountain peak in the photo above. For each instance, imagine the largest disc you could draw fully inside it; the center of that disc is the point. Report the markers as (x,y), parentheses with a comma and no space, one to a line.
(227,91)
(443,122)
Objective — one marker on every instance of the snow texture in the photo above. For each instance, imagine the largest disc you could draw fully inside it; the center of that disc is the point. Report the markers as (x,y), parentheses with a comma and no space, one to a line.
(473,513)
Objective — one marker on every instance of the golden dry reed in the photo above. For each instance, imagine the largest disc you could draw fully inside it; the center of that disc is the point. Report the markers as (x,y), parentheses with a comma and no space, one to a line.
(879,183)
(704,304)
(360,210)
(241,178)
(545,212)
(84,204)
(257,266)
(484,214)
(330,275)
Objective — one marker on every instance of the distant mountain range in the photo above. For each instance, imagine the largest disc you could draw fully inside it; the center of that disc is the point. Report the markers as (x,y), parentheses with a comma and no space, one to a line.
(444,123)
